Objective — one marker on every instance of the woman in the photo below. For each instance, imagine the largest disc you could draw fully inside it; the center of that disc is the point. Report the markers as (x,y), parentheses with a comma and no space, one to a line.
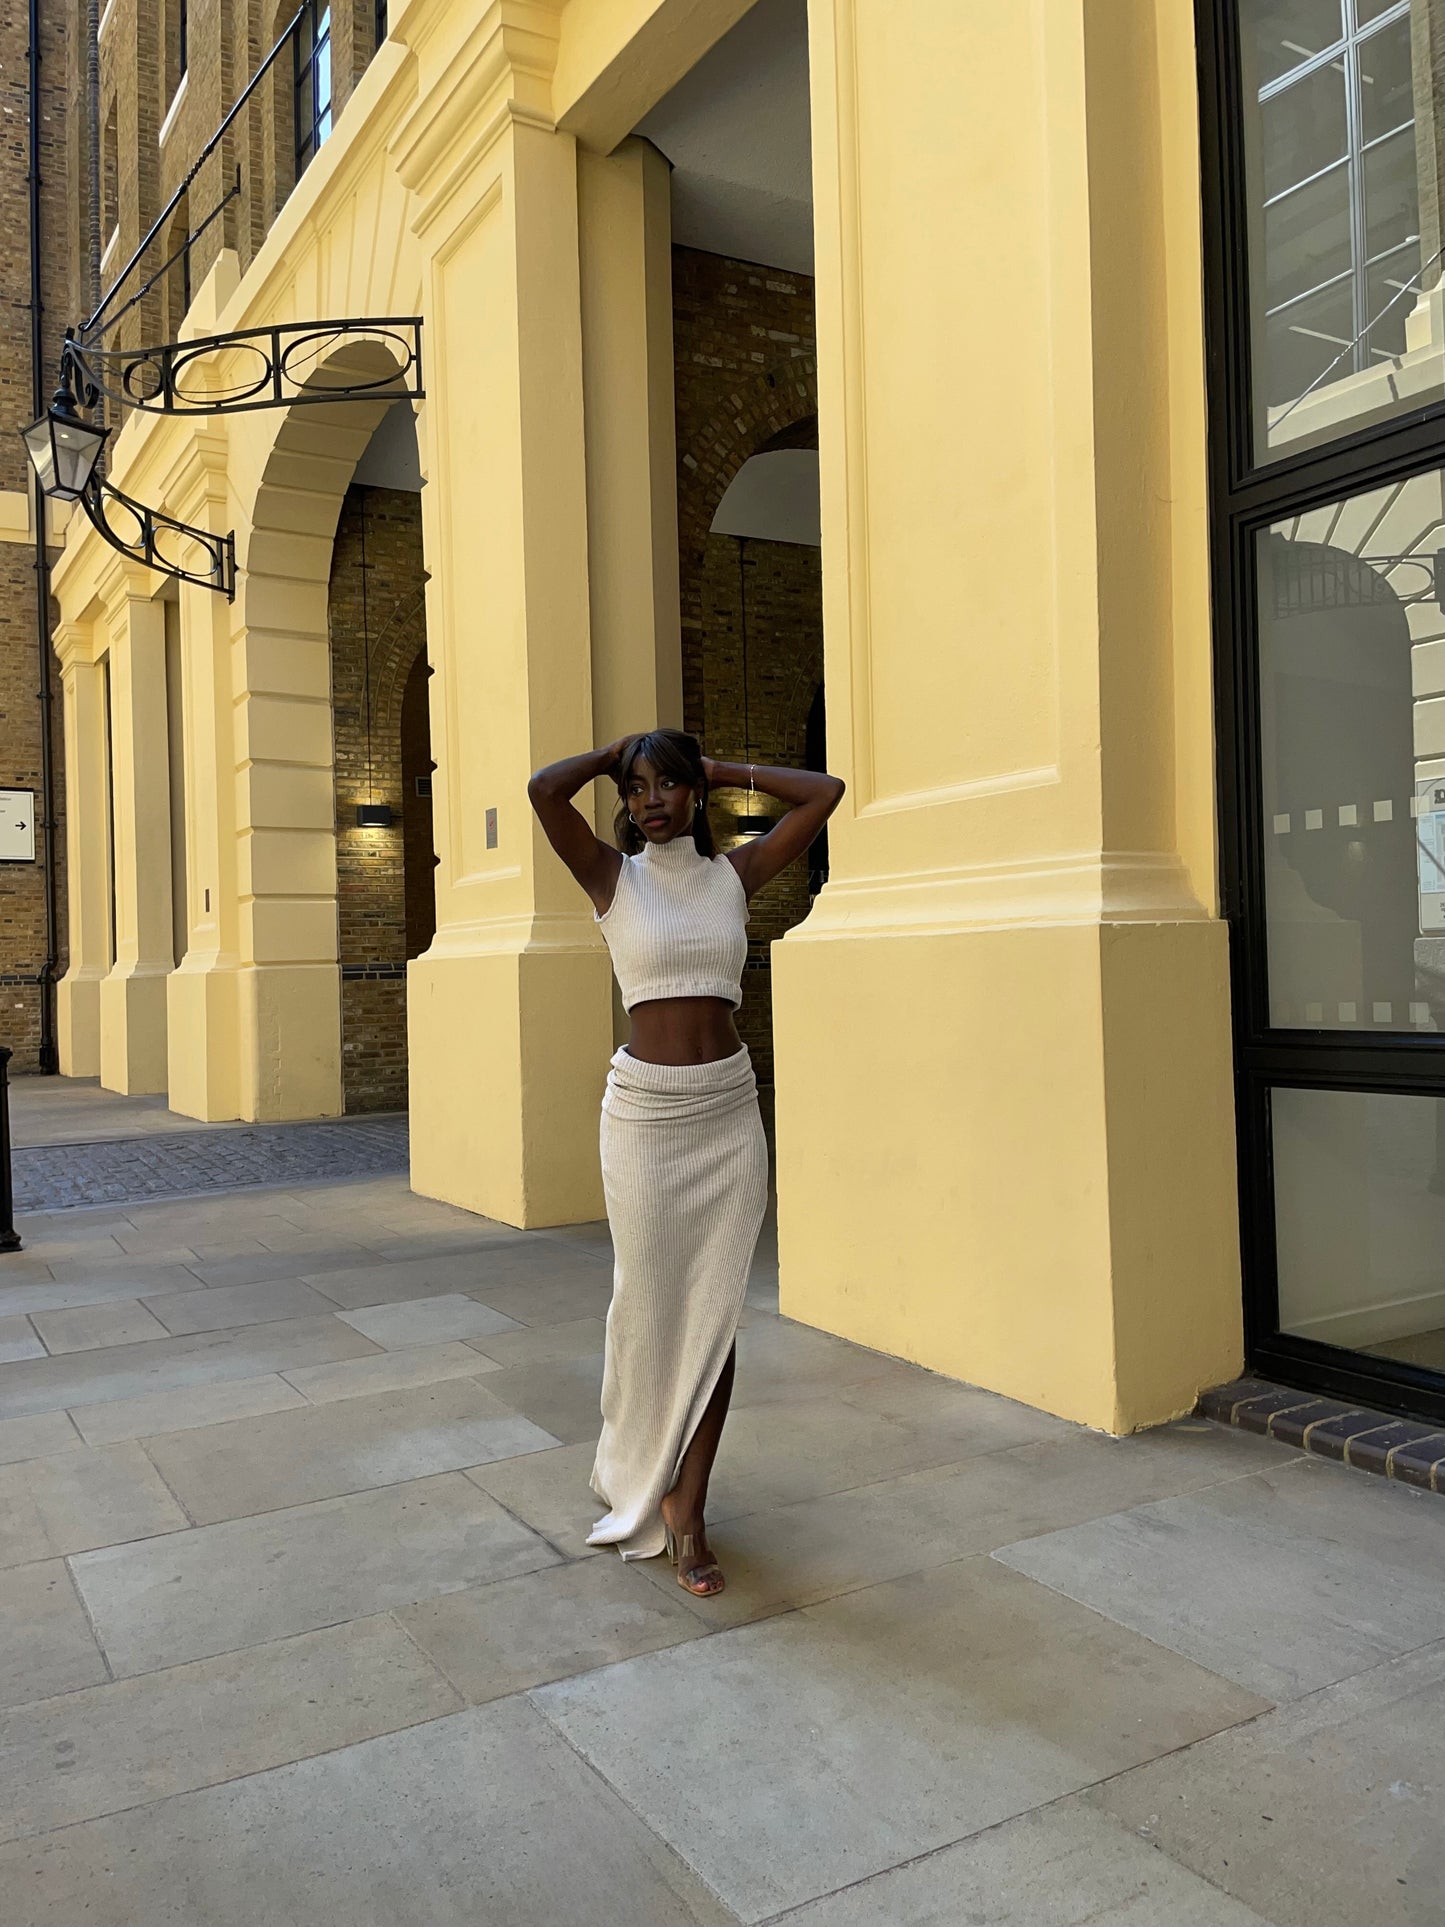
(684,1164)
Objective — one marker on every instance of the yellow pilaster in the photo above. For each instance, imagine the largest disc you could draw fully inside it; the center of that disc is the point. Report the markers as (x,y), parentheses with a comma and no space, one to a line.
(133,995)
(625,211)
(202,991)
(509,1012)
(87,847)
(1020,1169)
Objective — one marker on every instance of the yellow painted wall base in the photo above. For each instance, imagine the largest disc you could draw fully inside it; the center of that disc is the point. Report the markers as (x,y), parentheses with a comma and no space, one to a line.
(77,1014)
(133,1030)
(1003,1156)
(289,1020)
(202,1045)
(508,1053)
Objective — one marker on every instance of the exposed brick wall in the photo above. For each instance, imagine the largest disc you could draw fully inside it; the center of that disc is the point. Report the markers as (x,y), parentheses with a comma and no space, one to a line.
(746,380)
(22,886)
(383,876)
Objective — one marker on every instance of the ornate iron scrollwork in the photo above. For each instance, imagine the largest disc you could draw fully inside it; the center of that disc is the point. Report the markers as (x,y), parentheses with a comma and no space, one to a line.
(277,367)
(160,541)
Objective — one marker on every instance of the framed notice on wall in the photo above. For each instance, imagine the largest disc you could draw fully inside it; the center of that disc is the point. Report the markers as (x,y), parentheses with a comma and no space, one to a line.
(17,826)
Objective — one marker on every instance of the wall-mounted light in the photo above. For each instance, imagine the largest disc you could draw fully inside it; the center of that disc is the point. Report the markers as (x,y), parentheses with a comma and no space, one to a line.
(63,447)
(373,816)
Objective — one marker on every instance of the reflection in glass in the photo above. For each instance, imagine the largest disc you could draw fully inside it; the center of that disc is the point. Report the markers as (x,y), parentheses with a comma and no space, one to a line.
(1359,1187)
(1343,99)
(1352,740)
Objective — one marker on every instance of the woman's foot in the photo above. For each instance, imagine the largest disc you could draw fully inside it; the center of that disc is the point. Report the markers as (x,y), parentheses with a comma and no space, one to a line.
(687,1547)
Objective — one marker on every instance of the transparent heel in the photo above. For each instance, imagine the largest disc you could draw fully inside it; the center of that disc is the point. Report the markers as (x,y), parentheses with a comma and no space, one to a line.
(697,1571)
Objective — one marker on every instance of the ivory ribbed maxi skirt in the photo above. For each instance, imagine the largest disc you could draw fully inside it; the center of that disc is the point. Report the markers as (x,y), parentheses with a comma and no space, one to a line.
(685,1172)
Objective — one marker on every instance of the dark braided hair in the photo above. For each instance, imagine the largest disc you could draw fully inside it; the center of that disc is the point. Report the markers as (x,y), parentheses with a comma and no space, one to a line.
(671,752)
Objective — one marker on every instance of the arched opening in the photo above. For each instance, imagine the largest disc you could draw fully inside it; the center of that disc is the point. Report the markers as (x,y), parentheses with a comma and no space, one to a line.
(758,685)
(376,621)
(324,633)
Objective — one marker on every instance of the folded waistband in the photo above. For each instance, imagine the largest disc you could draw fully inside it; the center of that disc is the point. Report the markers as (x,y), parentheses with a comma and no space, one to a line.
(724,1074)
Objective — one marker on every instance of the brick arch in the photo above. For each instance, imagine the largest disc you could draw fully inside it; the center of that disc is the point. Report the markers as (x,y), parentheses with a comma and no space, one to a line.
(759,412)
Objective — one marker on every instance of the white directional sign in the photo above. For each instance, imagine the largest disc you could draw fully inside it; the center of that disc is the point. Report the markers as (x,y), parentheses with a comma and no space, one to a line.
(17,826)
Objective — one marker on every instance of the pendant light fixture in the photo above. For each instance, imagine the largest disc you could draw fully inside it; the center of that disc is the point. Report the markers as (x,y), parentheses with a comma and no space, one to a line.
(751,823)
(370,815)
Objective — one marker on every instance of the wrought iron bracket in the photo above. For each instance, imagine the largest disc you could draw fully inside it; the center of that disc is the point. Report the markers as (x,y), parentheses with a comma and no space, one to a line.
(158,540)
(277,367)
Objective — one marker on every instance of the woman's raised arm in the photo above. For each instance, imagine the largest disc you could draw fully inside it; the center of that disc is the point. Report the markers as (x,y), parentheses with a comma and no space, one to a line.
(595,864)
(811,797)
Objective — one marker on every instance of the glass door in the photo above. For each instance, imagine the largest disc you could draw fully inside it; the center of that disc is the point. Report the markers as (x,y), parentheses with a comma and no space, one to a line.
(1324,194)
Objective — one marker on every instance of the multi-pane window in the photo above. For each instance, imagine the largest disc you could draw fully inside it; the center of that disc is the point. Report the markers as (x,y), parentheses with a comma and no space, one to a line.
(1336,258)
(313,82)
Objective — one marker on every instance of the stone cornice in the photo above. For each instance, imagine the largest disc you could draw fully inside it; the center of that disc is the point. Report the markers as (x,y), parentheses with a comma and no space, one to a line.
(74,644)
(498,75)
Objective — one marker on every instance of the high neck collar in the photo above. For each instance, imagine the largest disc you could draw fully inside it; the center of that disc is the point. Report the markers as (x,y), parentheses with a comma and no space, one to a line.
(679,851)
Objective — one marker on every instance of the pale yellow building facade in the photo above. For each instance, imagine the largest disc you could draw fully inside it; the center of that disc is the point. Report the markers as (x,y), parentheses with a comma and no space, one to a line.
(1005,1128)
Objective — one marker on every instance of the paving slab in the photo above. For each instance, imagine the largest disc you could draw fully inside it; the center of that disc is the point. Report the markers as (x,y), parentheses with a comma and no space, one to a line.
(88,1328)
(426,1321)
(828,1745)
(59,1294)
(46,1645)
(18,1339)
(791,1555)
(37,1438)
(578,1289)
(353,1287)
(226,1307)
(77,1500)
(562,1395)
(549,1492)
(1255,1581)
(173,1364)
(483,1818)
(173,1255)
(219,1267)
(241,1583)
(178,1411)
(289,1458)
(389,1371)
(547,1625)
(578,1338)
(780,1360)
(1326,1813)
(136,1740)
(1061,1866)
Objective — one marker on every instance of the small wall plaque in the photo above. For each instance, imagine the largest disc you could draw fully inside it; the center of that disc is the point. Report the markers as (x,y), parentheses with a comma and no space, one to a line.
(17,826)
(491,829)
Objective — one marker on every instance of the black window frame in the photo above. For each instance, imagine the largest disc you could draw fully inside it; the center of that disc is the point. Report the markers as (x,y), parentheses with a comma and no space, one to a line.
(313,34)
(1248,493)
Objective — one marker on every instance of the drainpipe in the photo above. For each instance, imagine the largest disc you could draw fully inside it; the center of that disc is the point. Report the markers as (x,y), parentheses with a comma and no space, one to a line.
(92,93)
(49,1054)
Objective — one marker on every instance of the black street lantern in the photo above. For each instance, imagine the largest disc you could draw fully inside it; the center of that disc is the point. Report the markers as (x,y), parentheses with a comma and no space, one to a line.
(63,448)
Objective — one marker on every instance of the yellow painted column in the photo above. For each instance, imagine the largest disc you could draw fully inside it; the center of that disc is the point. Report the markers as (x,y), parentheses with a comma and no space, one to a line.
(87,848)
(202,991)
(133,995)
(1005,1141)
(625,213)
(509,1011)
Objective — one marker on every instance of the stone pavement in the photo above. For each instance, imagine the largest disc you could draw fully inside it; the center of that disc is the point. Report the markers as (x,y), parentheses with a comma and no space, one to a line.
(297,1623)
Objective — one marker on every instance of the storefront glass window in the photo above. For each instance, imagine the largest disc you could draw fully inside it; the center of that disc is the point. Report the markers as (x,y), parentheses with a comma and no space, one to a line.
(1359,1200)
(1344,180)
(1351,692)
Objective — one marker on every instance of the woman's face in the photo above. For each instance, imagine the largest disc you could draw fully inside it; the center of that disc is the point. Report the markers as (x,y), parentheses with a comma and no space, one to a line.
(661,806)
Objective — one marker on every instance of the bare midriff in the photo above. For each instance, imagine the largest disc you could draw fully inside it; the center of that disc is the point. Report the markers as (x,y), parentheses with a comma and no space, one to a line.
(683,1030)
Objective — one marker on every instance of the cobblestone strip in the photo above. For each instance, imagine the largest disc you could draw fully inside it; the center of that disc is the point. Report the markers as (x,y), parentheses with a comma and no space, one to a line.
(131,1170)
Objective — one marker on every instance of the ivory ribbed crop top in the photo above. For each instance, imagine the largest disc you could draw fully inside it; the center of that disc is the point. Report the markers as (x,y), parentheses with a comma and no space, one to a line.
(678,925)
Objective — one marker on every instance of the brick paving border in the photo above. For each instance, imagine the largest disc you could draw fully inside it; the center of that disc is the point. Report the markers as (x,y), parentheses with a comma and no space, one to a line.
(1396,1448)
